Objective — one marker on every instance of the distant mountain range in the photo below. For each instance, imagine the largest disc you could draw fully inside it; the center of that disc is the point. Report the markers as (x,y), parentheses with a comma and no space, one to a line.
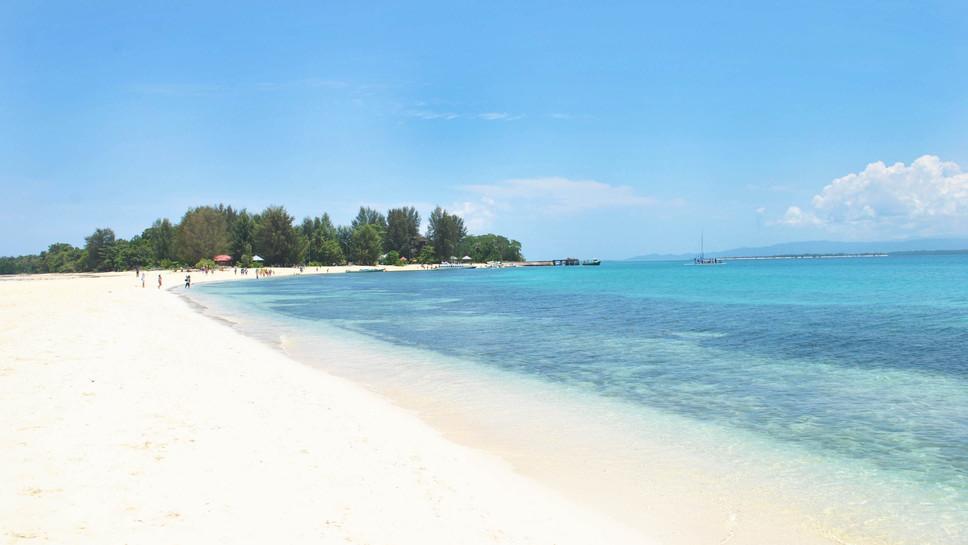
(824,247)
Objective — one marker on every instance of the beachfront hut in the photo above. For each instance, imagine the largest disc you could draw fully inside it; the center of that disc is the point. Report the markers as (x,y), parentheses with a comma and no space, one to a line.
(466,259)
(257,259)
(223,259)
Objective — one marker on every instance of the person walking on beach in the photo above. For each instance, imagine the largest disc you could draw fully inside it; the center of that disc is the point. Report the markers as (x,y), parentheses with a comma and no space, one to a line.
(159,281)
(188,280)
(142,280)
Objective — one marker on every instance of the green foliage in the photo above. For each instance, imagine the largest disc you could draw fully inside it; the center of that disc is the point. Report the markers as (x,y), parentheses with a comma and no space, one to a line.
(99,251)
(483,248)
(25,264)
(206,263)
(330,253)
(207,231)
(403,230)
(202,233)
(367,244)
(138,252)
(12,265)
(369,216)
(120,256)
(344,236)
(161,237)
(276,240)
(63,258)
(427,255)
(321,237)
(445,232)
(242,235)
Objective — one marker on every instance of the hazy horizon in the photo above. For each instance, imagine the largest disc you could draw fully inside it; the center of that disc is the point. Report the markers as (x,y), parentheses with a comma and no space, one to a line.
(596,132)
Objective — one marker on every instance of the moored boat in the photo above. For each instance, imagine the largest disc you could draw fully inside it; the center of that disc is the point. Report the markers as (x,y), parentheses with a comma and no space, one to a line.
(702,259)
(446,266)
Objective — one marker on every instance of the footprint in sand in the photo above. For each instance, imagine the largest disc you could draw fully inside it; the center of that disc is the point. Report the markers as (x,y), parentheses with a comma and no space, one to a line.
(40,491)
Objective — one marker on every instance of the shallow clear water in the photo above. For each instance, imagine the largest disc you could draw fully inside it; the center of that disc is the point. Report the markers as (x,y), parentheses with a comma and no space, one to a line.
(862,363)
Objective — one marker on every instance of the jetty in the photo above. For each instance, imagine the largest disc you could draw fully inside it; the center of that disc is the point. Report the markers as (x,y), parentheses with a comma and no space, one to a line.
(565,262)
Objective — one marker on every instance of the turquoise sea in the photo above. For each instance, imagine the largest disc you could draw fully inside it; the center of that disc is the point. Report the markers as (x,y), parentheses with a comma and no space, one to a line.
(838,384)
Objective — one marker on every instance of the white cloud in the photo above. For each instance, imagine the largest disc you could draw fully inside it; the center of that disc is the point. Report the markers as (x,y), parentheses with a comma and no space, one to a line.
(498,116)
(543,196)
(771,188)
(431,115)
(179,89)
(795,216)
(562,194)
(478,216)
(305,83)
(202,89)
(927,197)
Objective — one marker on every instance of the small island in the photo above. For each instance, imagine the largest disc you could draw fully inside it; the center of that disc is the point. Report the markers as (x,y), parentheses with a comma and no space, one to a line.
(272,238)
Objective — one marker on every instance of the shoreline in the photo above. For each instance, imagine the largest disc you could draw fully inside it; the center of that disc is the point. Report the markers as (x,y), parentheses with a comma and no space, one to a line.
(644,511)
(696,505)
(128,416)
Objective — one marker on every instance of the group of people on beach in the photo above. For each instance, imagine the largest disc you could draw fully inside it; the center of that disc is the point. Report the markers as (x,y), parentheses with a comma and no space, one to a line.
(138,273)
(259,273)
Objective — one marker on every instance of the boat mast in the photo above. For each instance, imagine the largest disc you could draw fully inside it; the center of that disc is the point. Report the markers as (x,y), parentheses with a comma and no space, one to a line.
(702,252)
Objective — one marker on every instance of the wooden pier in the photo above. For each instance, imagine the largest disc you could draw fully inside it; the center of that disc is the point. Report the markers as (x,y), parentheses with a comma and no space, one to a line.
(566,262)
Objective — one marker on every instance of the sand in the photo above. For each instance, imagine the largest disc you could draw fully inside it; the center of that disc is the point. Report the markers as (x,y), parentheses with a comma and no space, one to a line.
(126,417)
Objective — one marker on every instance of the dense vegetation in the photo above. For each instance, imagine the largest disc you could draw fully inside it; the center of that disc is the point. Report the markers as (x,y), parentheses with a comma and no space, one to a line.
(207,231)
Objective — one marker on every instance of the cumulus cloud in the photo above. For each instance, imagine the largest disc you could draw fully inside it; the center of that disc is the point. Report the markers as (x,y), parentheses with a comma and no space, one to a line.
(478,216)
(927,197)
(795,216)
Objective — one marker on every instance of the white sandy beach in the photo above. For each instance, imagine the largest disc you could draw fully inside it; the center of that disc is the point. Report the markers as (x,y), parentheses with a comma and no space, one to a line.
(126,417)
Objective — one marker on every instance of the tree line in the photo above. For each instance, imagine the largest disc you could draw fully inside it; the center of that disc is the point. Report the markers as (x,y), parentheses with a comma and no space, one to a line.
(273,235)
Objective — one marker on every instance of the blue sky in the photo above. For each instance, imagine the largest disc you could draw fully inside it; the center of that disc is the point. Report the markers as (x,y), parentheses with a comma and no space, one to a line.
(592,129)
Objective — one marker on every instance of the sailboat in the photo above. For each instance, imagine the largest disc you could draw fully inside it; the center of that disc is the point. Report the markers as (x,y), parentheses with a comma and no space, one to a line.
(702,259)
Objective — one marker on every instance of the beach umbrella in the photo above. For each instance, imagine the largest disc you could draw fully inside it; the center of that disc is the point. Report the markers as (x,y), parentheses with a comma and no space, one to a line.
(257,258)
(221,259)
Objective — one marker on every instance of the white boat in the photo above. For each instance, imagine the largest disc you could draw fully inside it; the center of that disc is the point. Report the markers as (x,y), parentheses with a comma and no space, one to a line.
(702,259)
(446,266)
